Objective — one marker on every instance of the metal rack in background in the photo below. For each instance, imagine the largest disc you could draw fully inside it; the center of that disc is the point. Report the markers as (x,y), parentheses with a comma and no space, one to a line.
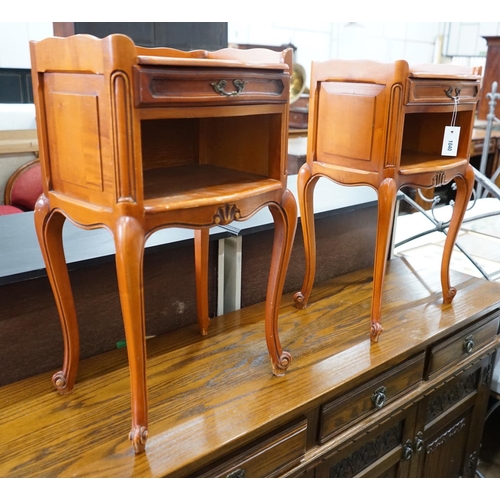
(485,187)
(490,118)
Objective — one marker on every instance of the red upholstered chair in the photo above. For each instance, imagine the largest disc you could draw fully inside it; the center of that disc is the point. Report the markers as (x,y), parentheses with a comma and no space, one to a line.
(23,189)
(8,209)
(24,186)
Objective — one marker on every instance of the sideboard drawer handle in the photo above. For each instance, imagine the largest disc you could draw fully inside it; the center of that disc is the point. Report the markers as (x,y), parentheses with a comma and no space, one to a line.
(219,88)
(419,442)
(379,398)
(407,450)
(469,344)
(237,473)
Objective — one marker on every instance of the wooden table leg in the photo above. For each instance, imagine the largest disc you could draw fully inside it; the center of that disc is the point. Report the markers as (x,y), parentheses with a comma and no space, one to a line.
(49,226)
(305,190)
(201,240)
(129,242)
(285,225)
(387,192)
(464,191)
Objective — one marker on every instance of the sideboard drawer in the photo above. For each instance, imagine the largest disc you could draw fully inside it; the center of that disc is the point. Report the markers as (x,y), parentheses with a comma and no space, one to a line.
(275,453)
(462,345)
(347,409)
(209,86)
(432,91)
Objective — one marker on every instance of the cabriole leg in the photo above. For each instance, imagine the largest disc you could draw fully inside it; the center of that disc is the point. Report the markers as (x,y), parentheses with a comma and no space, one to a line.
(305,190)
(129,242)
(49,226)
(285,225)
(464,190)
(387,192)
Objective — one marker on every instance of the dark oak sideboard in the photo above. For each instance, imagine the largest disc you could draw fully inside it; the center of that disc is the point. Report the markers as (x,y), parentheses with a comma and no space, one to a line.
(411,405)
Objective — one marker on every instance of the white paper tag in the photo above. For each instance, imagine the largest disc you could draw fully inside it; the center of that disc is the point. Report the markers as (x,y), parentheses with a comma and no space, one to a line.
(450,141)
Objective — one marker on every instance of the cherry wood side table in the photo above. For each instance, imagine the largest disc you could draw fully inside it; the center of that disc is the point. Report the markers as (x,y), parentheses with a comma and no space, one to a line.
(135,139)
(383,125)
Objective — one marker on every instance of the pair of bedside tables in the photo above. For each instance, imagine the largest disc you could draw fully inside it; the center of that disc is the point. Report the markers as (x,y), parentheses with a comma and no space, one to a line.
(136,139)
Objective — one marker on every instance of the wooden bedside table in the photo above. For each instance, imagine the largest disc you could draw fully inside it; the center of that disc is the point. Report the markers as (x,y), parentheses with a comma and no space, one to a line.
(383,125)
(134,140)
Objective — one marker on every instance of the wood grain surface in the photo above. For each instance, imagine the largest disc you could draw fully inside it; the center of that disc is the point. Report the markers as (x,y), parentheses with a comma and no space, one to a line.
(210,396)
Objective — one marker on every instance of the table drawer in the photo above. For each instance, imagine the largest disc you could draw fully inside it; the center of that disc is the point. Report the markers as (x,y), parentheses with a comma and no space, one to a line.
(430,91)
(462,345)
(377,453)
(209,87)
(346,410)
(275,453)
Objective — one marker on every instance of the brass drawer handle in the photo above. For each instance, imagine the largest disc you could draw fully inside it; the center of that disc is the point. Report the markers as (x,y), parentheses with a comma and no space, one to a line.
(379,398)
(468,344)
(449,93)
(219,88)
(237,473)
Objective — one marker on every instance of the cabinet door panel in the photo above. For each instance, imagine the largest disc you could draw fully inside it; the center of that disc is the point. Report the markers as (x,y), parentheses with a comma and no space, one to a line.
(453,417)
(351,124)
(445,450)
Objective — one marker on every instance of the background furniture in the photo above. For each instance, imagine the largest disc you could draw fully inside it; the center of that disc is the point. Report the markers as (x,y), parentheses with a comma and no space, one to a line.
(9,210)
(182,36)
(492,121)
(15,85)
(23,188)
(493,150)
(491,74)
(17,147)
(134,140)
(383,125)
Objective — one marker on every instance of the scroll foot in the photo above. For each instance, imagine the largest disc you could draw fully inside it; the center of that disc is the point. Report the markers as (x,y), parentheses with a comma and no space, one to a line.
(448,297)
(375,331)
(204,331)
(139,435)
(300,300)
(283,363)
(60,383)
